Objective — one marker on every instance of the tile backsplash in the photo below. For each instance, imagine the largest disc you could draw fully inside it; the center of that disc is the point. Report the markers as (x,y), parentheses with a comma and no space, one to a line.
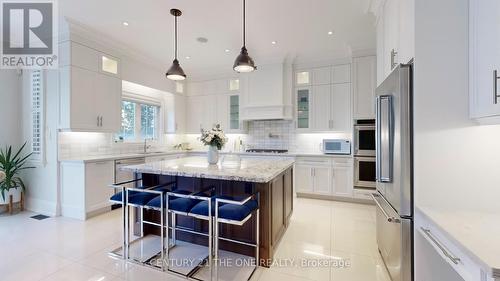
(271,134)
(268,134)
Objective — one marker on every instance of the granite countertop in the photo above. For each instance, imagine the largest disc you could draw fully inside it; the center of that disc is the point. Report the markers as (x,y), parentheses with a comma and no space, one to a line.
(476,233)
(251,170)
(106,157)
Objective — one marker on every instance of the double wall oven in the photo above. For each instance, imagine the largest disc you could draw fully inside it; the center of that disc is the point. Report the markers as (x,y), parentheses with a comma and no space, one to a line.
(364,154)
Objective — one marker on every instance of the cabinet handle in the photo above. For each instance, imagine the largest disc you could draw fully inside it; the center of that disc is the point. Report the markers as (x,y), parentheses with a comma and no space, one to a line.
(97,121)
(101,121)
(393,58)
(495,86)
(453,259)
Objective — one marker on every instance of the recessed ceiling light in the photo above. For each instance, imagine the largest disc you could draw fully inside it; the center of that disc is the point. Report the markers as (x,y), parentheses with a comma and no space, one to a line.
(125,23)
(273,42)
(226,50)
(330,32)
(188,57)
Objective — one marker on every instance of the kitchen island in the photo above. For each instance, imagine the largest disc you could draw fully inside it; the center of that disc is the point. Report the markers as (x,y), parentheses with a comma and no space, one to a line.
(271,178)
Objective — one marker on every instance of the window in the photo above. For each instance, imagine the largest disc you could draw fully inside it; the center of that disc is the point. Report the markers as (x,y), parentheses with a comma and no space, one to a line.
(36,91)
(140,120)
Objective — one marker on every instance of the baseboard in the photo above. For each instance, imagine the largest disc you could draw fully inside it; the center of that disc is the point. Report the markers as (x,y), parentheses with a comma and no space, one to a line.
(73,212)
(335,198)
(43,207)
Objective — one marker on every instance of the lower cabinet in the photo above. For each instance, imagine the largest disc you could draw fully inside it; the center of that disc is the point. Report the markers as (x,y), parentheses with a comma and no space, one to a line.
(84,188)
(328,176)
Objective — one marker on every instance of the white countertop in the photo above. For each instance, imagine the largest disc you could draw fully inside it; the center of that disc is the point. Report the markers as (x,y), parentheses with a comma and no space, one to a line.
(478,234)
(109,157)
(260,170)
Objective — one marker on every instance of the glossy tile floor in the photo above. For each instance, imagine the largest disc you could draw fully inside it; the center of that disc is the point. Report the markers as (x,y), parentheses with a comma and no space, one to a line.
(325,241)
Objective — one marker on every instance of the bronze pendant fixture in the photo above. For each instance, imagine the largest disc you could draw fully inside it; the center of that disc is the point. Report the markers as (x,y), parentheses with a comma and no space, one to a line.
(175,72)
(244,63)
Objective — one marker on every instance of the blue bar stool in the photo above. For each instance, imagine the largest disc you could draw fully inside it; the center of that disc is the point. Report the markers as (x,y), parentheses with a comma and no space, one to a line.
(119,198)
(183,204)
(138,198)
(236,212)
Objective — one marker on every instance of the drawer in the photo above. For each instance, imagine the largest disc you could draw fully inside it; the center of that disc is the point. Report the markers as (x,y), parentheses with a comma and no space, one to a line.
(314,161)
(449,252)
(343,161)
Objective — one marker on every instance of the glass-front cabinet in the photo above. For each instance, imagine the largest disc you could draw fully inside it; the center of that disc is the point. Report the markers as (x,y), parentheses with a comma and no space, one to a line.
(303,108)
(234,112)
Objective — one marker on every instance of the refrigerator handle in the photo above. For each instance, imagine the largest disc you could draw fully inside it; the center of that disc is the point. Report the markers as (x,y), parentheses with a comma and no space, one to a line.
(384,138)
(377,139)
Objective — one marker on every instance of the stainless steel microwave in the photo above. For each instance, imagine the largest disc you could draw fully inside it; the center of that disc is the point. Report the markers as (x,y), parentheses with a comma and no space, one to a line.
(336,146)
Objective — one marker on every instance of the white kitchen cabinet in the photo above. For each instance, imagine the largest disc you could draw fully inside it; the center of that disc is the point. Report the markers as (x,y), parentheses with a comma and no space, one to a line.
(364,85)
(175,113)
(322,75)
(321,107)
(303,108)
(341,73)
(324,108)
(90,101)
(90,89)
(406,50)
(303,178)
(222,111)
(342,179)
(380,50)
(322,177)
(84,188)
(200,113)
(484,58)
(340,108)
(391,34)
(395,35)
(108,91)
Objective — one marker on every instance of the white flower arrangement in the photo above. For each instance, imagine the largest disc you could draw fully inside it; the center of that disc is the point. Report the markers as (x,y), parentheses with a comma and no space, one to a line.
(214,137)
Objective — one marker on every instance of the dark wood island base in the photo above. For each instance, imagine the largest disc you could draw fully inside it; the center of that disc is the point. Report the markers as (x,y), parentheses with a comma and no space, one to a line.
(276,206)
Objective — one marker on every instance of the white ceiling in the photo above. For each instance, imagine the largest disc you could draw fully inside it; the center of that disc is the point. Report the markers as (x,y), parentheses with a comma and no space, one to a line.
(298,26)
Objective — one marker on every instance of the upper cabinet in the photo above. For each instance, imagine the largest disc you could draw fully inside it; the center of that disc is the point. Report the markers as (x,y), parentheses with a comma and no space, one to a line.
(219,104)
(341,73)
(484,57)
(90,89)
(323,99)
(364,71)
(395,35)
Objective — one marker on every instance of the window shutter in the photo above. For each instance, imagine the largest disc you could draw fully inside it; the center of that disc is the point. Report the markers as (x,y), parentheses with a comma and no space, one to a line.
(36,115)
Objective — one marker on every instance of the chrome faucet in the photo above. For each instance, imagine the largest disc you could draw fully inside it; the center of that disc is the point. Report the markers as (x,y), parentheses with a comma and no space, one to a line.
(146,146)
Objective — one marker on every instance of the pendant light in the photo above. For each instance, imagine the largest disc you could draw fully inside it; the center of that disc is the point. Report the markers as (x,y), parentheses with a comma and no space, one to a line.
(244,63)
(175,72)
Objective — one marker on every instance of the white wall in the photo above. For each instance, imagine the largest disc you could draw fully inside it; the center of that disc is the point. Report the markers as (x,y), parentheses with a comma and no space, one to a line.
(10,100)
(457,163)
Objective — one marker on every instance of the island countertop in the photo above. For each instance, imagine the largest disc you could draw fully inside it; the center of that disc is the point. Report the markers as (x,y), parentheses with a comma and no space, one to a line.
(250,170)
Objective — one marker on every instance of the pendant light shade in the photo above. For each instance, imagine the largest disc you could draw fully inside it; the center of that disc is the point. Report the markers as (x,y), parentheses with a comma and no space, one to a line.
(244,63)
(175,72)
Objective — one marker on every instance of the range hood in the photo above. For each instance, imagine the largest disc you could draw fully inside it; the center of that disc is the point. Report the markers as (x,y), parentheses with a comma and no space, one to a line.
(267,93)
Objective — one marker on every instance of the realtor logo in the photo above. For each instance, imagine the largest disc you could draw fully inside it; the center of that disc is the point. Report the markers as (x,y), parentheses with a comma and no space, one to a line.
(29,34)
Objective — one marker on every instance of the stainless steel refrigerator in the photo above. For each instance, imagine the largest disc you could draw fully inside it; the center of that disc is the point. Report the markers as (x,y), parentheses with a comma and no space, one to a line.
(394,196)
